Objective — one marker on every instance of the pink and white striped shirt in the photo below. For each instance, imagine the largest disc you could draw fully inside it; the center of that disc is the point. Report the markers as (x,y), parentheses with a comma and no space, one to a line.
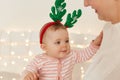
(53,69)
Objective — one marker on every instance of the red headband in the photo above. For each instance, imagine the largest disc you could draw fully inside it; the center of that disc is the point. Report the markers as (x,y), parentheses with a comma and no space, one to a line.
(57,12)
(44,28)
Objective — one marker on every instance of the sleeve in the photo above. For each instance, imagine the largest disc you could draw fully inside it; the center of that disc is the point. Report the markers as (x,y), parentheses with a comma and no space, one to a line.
(32,66)
(85,54)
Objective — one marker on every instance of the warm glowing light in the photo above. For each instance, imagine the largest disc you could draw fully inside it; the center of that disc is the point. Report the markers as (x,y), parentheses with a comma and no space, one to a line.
(2,40)
(13,62)
(82,71)
(1,77)
(18,57)
(0,58)
(26,59)
(71,41)
(26,40)
(26,44)
(30,53)
(8,32)
(80,46)
(24,68)
(12,53)
(85,38)
(13,44)
(81,68)
(82,75)
(5,64)
(13,78)
(19,49)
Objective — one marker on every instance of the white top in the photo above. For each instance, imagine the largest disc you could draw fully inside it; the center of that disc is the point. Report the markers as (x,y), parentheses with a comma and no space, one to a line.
(106,63)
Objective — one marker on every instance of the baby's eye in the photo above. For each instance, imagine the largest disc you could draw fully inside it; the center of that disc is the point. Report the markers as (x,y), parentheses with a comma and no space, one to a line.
(58,42)
(67,41)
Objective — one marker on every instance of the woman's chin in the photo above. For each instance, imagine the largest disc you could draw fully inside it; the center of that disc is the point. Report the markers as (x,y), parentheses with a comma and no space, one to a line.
(104,18)
(100,17)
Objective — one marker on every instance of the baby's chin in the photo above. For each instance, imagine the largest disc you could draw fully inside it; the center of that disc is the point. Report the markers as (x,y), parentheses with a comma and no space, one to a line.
(61,56)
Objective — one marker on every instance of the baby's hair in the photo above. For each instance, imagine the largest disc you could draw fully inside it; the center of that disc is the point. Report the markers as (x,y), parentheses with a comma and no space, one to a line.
(57,26)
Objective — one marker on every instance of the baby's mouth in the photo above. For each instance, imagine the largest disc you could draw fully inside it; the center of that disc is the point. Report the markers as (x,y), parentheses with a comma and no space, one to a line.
(64,51)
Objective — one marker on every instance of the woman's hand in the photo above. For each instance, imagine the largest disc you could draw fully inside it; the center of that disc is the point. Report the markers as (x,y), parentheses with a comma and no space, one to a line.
(98,39)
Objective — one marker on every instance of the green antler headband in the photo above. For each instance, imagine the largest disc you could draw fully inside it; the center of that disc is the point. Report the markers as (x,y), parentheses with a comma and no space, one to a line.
(57,12)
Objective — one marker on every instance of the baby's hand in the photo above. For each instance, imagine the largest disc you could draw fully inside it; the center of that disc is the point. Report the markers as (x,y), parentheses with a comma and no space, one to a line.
(31,76)
(98,39)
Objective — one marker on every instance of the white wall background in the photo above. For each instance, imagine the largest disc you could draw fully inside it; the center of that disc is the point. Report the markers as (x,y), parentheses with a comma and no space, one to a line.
(32,14)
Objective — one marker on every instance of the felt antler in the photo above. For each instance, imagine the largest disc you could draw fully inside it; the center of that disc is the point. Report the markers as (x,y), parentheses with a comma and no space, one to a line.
(72,19)
(58,10)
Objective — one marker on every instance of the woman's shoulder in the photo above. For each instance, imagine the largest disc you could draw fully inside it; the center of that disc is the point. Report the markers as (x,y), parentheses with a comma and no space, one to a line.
(107,25)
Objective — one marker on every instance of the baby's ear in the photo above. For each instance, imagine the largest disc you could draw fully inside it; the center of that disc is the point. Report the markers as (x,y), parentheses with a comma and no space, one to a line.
(43,47)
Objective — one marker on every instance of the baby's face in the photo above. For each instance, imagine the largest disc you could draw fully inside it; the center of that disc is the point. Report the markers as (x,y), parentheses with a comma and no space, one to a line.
(57,43)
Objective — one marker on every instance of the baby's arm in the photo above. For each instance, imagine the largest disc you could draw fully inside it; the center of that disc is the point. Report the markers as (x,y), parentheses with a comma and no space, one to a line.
(87,53)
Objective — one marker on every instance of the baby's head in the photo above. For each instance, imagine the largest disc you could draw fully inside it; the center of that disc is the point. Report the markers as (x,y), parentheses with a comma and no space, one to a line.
(54,40)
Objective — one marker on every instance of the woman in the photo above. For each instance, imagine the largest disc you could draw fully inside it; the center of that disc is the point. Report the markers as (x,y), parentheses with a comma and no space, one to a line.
(106,63)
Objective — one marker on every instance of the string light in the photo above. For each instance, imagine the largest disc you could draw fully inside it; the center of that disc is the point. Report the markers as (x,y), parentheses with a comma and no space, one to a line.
(26,59)
(13,62)
(0,58)
(30,53)
(23,56)
(82,71)
(2,40)
(80,46)
(13,43)
(85,38)
(26,40)
(72,42)
(24,68)
(1,77)
(5,64)
(18,57)
(8,32)
(26,44)
(13,78)
(12,53)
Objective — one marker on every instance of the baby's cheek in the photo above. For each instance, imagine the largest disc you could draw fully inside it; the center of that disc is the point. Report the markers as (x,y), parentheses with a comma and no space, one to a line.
(68,51)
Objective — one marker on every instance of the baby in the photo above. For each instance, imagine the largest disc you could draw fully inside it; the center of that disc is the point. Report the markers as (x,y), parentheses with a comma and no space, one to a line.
(58,60)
